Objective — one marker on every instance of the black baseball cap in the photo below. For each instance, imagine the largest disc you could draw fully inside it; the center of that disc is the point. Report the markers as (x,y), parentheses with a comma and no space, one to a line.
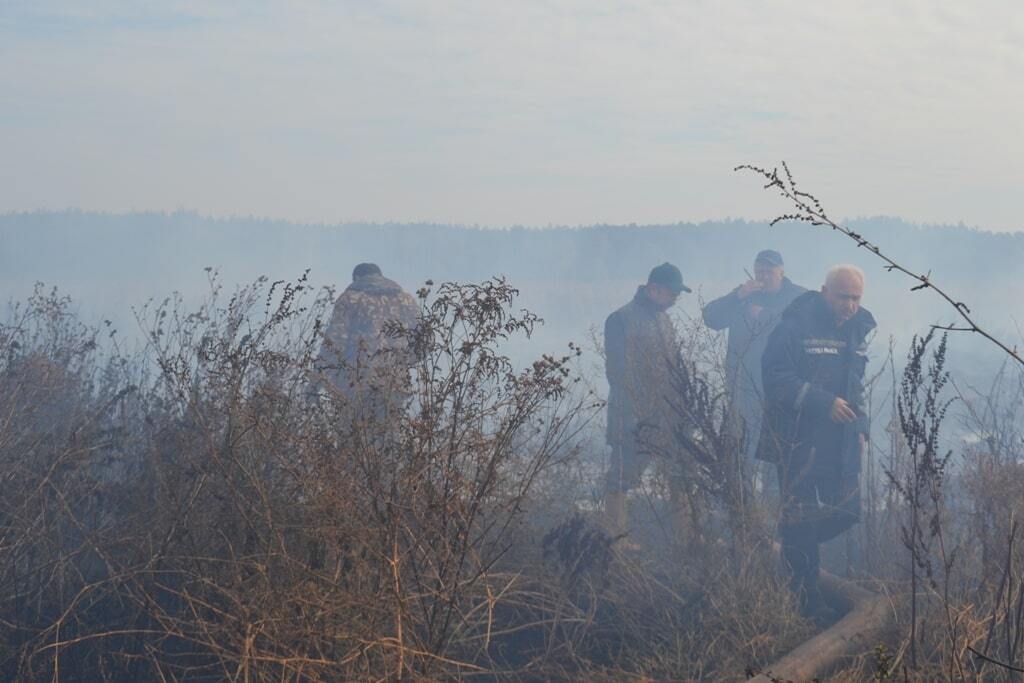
(365,270)
(770,257)
(669,276)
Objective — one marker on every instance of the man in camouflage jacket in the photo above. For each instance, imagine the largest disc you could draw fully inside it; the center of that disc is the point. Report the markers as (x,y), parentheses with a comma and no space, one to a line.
(354,351)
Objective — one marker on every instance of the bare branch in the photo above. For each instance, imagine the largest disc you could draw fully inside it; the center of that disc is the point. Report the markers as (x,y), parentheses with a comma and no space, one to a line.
(809,210)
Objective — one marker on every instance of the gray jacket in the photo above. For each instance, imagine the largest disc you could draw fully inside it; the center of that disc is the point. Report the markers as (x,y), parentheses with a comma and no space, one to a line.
(748,336)
(640,349)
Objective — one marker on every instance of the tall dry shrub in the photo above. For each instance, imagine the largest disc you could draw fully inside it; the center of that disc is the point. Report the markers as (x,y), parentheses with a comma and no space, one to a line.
(233,517)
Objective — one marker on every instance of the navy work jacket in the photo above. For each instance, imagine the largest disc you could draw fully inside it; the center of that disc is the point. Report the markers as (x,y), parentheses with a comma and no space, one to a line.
(807,363)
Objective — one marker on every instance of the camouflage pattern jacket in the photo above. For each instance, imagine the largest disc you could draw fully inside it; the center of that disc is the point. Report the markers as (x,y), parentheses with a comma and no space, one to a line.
(640,349)
(355,332)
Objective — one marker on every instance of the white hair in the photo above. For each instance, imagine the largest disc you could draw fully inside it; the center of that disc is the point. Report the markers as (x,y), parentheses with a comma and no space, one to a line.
(835,272)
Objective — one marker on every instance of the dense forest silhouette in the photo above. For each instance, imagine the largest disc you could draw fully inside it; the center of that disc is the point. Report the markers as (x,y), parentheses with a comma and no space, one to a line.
(571,276)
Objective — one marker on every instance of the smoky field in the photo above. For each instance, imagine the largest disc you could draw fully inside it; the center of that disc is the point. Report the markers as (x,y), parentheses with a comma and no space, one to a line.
(202,506)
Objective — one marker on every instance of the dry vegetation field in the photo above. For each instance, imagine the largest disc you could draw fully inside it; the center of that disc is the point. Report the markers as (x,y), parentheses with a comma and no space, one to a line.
(206,509)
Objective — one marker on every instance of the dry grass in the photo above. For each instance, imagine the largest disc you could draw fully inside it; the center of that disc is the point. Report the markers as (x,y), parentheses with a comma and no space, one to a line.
(197,511)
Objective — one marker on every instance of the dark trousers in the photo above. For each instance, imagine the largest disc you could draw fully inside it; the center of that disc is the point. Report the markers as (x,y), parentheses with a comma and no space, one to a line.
(820,500)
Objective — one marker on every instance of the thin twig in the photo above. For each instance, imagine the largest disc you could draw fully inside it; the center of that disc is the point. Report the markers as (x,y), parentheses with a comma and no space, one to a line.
(810,210)
(994,661)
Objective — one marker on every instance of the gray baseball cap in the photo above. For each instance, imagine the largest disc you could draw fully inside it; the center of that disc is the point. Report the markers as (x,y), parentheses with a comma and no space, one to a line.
(770,257)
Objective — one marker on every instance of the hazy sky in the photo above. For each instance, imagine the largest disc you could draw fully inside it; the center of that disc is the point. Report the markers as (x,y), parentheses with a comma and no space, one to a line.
(525,112)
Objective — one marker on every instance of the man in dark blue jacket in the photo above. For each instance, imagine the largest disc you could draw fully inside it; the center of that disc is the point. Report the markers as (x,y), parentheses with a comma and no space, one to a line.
(815,424)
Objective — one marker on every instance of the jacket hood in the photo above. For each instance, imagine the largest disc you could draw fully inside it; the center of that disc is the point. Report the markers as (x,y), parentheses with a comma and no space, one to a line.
(811,304)
(374,284)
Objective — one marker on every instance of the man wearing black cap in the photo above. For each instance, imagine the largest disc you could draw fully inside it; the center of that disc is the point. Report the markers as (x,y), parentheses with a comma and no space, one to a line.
(750,313)
(640,347)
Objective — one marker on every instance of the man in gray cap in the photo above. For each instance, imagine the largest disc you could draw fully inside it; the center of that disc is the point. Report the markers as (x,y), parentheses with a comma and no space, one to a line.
(750,312)
(640,348)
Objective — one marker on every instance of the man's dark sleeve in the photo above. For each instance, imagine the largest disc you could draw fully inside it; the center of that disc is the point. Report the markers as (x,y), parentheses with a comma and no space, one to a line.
(784,387)
(614,350)
(724,311)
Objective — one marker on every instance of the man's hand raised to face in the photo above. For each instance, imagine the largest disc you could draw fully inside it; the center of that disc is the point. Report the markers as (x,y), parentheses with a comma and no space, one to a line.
(842,412)
(749,288)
